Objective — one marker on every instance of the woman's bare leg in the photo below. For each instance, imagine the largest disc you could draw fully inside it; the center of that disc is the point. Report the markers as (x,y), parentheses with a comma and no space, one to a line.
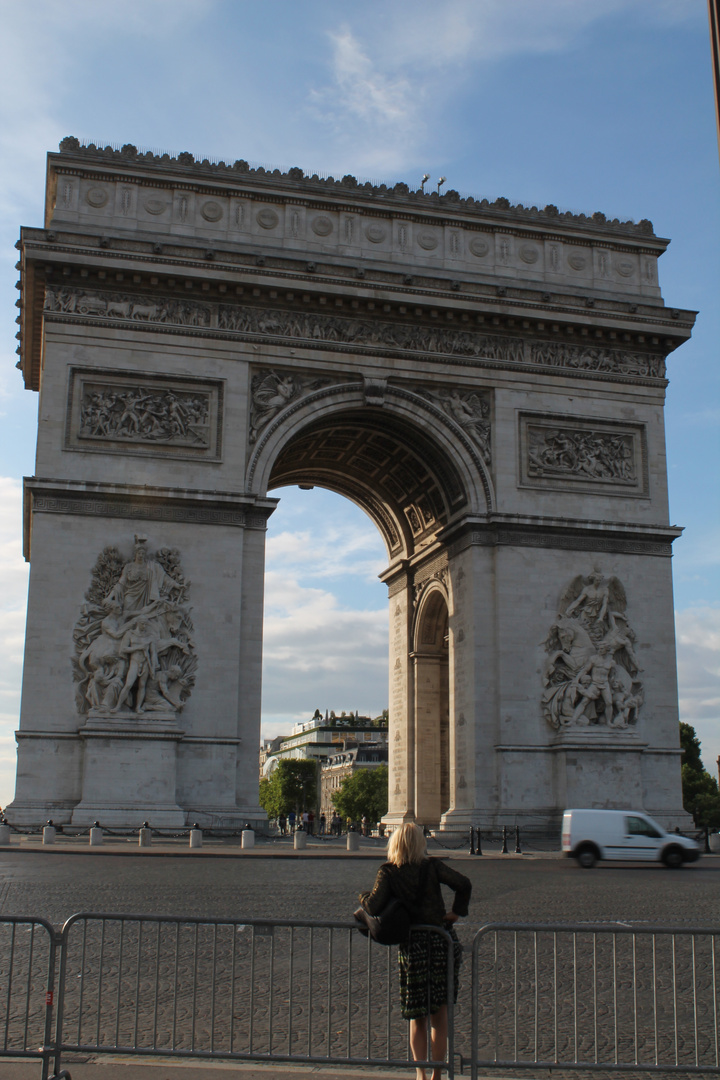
(419,1044)
(438,1039)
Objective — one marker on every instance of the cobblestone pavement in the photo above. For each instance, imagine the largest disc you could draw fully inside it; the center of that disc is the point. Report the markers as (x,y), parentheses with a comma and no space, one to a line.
(197,979)
(513,888)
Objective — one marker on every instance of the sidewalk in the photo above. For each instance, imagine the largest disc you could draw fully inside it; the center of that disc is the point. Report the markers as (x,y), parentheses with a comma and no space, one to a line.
(370,848)
(131,1068)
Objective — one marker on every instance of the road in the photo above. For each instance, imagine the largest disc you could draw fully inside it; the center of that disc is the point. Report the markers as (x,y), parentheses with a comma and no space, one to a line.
(514,888)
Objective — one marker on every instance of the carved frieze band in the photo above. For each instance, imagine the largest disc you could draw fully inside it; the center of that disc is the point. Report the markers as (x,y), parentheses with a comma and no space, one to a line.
(117,412)
(349,334)
(598,456)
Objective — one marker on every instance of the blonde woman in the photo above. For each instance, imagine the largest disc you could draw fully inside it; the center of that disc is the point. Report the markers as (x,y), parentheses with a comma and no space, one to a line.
(410,876)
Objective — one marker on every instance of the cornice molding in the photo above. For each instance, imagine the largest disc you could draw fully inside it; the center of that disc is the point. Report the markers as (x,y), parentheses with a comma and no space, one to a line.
(133,502)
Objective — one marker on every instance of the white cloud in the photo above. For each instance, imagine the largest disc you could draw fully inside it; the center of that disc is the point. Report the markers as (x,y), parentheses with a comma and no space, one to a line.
(388,77)
(698,649)
(13,599)
(319,653)
(331,551)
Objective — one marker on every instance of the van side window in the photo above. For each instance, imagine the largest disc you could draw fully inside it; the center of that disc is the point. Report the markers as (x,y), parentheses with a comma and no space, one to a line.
(637,826)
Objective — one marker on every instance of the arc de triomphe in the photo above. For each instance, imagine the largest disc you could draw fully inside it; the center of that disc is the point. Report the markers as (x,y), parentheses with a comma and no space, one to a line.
(486,381)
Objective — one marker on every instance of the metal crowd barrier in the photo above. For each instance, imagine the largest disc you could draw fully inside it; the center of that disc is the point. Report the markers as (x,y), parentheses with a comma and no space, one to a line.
(611,996)
(271,990)
(27,984)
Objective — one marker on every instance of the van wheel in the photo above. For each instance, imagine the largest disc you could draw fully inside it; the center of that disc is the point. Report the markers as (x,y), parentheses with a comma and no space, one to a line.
(586,856)
(673,858)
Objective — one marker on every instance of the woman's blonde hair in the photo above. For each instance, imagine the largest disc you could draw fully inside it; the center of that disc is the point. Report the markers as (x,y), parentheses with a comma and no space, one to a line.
(406,845)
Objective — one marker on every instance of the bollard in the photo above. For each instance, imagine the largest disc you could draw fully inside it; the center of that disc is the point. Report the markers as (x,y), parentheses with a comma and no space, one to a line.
(353,841)
(4,835)
(472,838)
(247,839)
(478,849)
(49,833)
(195,836)
(300,840)
(144,835)
(96,834)
(517,840)
(504,847)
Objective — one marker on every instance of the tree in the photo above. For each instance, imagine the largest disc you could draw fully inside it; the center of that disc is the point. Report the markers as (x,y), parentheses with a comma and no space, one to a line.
(363,794)
(291,786)
(701,797)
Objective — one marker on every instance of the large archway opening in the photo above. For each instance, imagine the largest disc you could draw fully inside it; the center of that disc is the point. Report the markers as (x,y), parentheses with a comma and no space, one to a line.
(325,613)
(411,489)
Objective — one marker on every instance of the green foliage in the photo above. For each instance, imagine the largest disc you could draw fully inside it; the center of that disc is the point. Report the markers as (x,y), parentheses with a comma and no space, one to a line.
(291,786)
(690,747)
(701,797)
(365,793)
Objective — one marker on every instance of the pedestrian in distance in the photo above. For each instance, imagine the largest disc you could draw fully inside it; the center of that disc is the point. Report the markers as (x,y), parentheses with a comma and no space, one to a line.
(291,821)
(323,822)
(414,879)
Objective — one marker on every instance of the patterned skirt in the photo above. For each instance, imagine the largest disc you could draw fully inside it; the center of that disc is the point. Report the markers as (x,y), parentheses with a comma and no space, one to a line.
(423,964)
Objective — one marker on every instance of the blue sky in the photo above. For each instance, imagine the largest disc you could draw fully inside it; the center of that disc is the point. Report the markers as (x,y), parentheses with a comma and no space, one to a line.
(588,104)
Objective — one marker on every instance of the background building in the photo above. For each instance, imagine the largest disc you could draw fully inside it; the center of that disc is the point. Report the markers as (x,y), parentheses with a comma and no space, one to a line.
(347,762)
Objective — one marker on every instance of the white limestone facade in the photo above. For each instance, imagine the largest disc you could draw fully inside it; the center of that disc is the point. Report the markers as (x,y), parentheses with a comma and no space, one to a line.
(486,381)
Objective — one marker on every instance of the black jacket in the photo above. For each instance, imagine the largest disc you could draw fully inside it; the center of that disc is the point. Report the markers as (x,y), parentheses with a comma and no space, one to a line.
(403,883)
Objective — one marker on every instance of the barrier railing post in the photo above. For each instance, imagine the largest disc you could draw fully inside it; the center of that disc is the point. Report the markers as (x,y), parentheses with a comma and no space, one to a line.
(48,833)
(96,834)
(504,843)
(196,836)
(517,840)
(478,849)
(144,835)
(472,838)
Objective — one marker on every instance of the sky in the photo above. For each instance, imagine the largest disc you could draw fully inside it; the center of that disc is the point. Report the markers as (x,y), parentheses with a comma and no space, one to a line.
(588,104)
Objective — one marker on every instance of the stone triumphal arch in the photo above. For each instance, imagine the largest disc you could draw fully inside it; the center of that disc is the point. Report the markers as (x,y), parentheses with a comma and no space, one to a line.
(486,381)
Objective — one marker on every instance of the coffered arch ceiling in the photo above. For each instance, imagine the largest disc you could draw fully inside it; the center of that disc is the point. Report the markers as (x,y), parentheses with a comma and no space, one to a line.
(390,468)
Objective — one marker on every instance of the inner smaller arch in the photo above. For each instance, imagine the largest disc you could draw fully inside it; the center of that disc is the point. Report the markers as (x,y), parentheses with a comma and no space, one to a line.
(432,711)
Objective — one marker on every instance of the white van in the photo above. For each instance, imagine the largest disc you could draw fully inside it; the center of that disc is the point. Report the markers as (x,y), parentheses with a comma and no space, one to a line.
(589,835)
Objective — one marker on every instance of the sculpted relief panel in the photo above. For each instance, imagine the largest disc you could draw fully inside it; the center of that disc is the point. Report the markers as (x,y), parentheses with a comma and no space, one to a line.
(272,391)
(134,652)
(350,333)
(469,409)
(591,675)
(602,456)
(115,412)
